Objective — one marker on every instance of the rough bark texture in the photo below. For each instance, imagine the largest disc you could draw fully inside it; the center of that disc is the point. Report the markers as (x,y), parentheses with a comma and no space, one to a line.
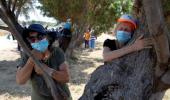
(141,75)
(128,78)
(76,41)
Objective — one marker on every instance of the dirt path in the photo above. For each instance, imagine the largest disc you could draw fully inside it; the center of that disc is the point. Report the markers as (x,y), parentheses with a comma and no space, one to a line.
(80,69)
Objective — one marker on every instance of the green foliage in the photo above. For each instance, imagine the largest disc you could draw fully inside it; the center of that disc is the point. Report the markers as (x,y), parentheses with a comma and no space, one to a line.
(62,9)
(166,9)
(98,14)
(106,13)
(13,8)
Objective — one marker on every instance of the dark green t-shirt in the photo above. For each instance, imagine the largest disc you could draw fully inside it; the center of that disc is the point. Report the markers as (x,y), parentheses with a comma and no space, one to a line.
(40,91)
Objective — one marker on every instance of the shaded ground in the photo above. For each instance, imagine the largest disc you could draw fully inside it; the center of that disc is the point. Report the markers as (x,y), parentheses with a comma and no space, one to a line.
(80,69)
(9,58)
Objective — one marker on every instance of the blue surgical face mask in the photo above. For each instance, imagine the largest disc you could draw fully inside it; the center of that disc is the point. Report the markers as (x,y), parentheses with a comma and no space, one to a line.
(41,45)
(123,36)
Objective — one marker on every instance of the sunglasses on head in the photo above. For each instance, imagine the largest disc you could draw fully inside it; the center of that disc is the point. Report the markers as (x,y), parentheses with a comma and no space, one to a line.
(33,39)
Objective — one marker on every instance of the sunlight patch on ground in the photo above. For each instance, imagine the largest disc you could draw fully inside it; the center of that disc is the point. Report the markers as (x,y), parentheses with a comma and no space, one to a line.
(76,91)
(167,95)
(104,36)
(7,44)
(7,96)
(89,70)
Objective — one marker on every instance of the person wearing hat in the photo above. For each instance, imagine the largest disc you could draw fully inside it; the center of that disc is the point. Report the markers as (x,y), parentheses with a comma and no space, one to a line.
(66,35)
(52,58)
(123,32)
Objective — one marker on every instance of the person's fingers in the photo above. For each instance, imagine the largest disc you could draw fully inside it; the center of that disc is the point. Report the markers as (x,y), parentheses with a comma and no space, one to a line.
(148,40)
(148,47)
(140,37)
(148,43)
(37,54)
(37,69)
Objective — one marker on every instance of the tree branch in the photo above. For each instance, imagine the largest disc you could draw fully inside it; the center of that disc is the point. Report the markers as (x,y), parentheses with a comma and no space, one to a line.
(2,10)
(9,4)
(3,3)
(4,28)
(14,6)
(18,11)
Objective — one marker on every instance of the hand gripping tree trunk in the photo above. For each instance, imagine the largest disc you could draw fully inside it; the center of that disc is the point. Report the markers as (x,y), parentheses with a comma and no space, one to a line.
(142,75)
(9,18)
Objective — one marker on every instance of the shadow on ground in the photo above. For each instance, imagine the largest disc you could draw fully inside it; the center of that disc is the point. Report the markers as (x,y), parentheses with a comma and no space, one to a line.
(8,84)
(84,64)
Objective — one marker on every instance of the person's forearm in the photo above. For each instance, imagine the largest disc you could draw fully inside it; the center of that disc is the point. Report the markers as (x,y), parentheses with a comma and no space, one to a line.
(60,76)
(24,73)
(108,56)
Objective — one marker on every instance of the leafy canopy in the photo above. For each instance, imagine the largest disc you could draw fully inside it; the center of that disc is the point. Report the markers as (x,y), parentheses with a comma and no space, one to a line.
(99,14)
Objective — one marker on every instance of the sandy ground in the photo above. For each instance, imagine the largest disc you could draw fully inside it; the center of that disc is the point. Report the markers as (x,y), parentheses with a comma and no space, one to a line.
(80,70)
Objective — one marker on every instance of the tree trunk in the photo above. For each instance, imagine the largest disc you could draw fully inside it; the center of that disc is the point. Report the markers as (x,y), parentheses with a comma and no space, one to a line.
(76,41)
(142,75)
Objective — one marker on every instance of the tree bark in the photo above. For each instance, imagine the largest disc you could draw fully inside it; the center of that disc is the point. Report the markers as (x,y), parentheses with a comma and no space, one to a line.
(127,78)
(142,75)
(76,41)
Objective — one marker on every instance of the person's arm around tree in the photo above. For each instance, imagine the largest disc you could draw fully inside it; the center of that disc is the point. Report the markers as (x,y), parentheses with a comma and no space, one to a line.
(139,44)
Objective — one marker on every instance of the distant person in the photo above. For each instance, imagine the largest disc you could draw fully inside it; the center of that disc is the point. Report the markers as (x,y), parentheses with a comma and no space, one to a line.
(124,31)
(53,60)
(87,37)
(59,32)
(18,47)
(92,42)
(66,35)
(10,36)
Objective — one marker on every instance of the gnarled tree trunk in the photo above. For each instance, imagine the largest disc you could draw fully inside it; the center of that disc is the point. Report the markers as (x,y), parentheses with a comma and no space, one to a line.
(76,41)
(142,75)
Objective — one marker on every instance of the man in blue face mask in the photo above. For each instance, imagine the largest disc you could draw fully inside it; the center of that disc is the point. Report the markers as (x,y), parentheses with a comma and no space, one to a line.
(53,60)
(37,37)
(123,32)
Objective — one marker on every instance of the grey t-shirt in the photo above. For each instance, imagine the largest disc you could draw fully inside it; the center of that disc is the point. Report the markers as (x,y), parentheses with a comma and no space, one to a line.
(40,91)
